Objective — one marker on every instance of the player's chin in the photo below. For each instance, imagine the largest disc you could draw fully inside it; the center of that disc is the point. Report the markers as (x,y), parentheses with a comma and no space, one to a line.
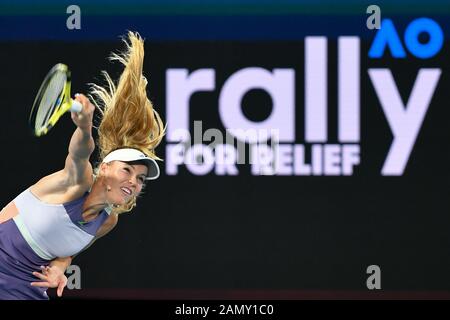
(123,200)
(118,200)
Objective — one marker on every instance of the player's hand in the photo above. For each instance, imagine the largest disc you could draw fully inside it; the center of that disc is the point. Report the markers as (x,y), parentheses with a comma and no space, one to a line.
(52,277)
(83,119)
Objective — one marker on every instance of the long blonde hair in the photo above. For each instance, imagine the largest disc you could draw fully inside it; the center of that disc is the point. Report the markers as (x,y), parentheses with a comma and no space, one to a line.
(128,118)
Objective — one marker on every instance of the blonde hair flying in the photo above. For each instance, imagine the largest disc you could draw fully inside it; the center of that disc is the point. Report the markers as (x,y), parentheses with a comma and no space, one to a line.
(127,115)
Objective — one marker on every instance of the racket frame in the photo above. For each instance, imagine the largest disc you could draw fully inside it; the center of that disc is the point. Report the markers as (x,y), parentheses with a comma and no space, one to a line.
(64,106)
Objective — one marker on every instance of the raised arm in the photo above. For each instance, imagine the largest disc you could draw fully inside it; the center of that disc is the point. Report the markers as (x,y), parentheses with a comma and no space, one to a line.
(76,176)
(77,167)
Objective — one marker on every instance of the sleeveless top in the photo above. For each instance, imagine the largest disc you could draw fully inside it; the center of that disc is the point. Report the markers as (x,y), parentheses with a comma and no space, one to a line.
(55,230)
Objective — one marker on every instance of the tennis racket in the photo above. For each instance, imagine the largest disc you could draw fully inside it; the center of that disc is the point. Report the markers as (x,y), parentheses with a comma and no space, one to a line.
(52,100)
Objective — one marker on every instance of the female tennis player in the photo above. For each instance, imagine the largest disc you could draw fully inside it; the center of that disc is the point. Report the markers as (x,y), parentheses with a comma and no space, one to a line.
(65,212)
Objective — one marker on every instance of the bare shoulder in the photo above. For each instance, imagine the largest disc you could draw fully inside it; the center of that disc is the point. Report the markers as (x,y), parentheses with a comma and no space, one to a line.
(108,225)
(59,187)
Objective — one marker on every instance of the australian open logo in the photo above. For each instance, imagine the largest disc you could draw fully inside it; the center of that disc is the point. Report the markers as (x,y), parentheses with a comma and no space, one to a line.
(270,146)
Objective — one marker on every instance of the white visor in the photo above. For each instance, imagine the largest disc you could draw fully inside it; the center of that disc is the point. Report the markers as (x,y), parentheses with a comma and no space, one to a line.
(129,154)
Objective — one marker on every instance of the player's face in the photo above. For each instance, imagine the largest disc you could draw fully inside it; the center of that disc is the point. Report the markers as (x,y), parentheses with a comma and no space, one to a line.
(124,180)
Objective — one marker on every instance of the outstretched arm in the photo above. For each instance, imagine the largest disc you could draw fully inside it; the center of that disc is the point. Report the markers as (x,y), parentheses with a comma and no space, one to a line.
(52,276)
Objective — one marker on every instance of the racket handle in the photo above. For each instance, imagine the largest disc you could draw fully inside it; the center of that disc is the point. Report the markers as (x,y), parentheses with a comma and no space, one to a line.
(76,106)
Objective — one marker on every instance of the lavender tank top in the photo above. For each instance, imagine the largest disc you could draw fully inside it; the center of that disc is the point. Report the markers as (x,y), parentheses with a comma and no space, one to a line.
(55,230)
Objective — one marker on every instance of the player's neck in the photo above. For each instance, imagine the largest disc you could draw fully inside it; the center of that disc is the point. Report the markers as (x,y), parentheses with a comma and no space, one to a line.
(95,202)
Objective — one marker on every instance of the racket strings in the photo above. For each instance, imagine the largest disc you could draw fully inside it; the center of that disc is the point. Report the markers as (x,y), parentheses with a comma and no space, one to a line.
(51,99)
